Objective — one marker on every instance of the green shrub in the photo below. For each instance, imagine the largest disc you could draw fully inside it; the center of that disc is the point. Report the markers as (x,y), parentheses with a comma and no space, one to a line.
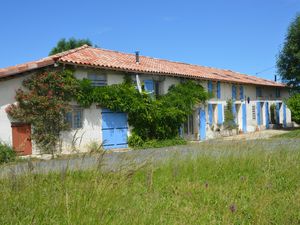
(272,110)
(136,142)
(294,105)
(229,122)
(7,153)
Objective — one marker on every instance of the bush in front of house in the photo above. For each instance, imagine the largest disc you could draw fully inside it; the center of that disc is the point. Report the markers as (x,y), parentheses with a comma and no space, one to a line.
(136,142)
(7,154)
(229,122)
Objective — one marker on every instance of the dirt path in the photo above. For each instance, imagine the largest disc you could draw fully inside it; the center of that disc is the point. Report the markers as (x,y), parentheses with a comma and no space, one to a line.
(264,134)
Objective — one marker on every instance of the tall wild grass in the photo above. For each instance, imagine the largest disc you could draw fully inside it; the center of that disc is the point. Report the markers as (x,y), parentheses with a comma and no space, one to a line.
(243,186)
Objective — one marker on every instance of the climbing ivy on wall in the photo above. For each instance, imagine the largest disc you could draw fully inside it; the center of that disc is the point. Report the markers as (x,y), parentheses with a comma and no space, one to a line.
(46,96)
(42,102)
(150,118)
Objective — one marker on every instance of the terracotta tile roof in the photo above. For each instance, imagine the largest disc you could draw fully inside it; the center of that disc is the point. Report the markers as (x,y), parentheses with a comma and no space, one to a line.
(107,59)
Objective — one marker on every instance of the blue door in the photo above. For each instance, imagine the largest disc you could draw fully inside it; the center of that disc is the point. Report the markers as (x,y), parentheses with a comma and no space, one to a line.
(284,115)
(244,117)
(202,124)
(267,115)
(114,129)
(258,109)
(220,114)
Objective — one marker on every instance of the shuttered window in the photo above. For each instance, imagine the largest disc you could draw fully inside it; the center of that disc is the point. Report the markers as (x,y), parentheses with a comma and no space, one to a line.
(258,92)
(234,92)
(152,87)
(218,90)
(277,92)
(241,92)
(97,80)
(253,112)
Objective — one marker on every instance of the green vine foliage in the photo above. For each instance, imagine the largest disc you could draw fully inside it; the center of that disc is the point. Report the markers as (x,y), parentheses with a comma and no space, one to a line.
(150,118)
(46,98)
(43,102)
(229,122)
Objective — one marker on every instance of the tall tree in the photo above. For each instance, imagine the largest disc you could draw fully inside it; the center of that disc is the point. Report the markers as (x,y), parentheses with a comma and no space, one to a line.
(64,45)
(288,62)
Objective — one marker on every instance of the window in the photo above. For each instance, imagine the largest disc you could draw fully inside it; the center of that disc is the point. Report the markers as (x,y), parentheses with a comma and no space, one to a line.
(157,88)
(214,88)
(258,92)
(277,93)
(74,118)
(189,125)
(253,112)
(152,87)
(97,80)
(241,92)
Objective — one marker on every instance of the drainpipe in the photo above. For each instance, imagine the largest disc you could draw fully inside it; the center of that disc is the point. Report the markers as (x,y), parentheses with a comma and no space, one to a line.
(137,78)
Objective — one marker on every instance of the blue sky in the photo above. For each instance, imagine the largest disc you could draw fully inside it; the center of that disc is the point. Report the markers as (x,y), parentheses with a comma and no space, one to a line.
(241,35)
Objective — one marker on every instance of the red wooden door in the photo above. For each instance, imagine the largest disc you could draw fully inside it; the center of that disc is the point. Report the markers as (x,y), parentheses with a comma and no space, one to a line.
(21,138)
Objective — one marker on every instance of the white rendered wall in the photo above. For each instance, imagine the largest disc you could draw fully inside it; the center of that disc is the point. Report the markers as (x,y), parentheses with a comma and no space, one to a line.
(91,130)
(7,96)
(83,137)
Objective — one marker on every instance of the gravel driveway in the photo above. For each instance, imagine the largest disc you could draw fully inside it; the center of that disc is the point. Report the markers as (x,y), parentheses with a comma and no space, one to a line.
(113,161)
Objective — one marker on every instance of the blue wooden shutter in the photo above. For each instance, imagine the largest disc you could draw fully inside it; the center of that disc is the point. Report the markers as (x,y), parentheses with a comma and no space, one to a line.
(209,87)
(218,89)
(241,92)
(267,115)
(233,92)
(244,114)
(210,114)
(277,113)
(258,113)
(220,114)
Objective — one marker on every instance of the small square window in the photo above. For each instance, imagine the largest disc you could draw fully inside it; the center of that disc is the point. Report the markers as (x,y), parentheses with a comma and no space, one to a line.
(74,118)
(258,92)
(97,80)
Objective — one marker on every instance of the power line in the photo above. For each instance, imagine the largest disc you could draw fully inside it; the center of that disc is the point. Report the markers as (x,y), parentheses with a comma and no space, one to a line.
(267,69)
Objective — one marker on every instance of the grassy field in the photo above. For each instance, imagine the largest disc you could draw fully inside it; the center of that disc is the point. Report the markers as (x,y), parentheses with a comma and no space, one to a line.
(294,134)
(243,185)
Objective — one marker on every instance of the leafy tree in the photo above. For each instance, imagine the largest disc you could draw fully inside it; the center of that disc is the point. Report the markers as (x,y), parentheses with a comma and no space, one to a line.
(294,105)
(288,62)
(64,45)
(43,102)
